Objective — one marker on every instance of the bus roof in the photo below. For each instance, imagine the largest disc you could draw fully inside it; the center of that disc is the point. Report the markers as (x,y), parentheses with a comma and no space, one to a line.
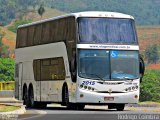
(83,14)
(102,14)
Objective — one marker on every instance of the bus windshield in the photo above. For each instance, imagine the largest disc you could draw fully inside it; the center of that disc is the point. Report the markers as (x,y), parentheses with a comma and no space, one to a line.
(108,64)
(107,30)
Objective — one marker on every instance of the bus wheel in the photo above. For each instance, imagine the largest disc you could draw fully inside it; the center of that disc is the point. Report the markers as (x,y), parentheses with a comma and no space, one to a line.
(43,105)
(25,96)
(31,97)
(80,106)
(120,107)
(111,106)
(39,105)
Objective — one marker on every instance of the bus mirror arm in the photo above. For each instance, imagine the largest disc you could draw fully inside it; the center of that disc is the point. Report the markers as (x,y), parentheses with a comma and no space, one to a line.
(141,67)
(72,65)
(73,69)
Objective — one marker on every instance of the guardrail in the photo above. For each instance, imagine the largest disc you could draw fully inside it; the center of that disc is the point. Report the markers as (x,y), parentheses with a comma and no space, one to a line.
(7,85)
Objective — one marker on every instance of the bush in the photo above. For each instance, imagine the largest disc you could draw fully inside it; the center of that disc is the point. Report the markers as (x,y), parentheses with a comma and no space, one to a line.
(151,54)
(150,86)
(13,28)
(6,69)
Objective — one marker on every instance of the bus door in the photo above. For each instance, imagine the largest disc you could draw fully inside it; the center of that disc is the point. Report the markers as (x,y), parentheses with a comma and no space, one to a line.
(38,91)
(37,72)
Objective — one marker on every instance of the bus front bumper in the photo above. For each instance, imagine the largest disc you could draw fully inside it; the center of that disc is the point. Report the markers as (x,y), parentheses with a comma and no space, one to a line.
(106,98)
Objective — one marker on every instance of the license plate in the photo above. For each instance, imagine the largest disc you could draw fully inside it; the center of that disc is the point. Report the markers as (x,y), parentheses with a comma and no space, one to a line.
(108,98)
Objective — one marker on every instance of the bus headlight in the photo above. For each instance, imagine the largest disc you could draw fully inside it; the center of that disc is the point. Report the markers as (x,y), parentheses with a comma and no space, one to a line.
(126,89)
(89,88)
(129,88)
(85,87)
(133,88)
(81,86)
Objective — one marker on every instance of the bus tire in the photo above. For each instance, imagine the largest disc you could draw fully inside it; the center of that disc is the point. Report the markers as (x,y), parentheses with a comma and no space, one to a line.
(40,105)
(120,107)
(111,106)
(66,98)
(25,95)
(65,101)
(63,95)
(31,102)
(80,106)
(44,105)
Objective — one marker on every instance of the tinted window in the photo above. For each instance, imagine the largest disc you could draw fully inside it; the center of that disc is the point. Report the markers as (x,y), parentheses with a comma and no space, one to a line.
(107,30)
(49,69)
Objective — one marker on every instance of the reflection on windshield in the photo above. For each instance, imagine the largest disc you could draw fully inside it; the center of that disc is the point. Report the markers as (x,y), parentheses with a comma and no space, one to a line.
(107,30)
(124,64)
(108,65)
(94,64)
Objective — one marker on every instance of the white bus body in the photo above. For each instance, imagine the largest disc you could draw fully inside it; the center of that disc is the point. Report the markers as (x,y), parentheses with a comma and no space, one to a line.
(51,72)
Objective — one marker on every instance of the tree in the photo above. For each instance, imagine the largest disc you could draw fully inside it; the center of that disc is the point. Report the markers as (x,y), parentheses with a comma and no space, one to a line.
(13,28)
(151,54)
(41,10)
(4,52)
(1,44)
(7,11)
(6,69)
(25,6)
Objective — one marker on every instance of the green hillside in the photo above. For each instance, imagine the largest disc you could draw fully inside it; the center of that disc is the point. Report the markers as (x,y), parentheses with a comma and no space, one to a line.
(49,12)
(146,12)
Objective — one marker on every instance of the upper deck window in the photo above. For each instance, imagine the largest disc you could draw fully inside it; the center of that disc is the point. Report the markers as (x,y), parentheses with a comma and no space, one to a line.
(107,30)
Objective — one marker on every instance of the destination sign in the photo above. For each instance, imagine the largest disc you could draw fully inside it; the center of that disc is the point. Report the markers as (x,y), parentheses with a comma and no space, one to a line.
(116,47)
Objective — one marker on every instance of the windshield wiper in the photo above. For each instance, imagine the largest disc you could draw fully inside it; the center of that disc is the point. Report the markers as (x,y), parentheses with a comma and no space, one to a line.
(100,78)
(125,78)
(130,79)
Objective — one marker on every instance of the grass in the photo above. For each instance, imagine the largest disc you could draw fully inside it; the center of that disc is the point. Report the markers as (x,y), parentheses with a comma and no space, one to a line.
(7,108)
(148,27)
(149,102)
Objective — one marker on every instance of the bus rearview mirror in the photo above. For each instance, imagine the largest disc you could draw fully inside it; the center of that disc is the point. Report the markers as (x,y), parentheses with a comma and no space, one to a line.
(141,67)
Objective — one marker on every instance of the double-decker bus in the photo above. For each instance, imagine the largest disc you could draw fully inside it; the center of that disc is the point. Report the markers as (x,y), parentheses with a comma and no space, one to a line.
(78,59)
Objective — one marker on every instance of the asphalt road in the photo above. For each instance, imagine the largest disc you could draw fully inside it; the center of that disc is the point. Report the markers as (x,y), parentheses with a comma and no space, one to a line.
(56,112)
